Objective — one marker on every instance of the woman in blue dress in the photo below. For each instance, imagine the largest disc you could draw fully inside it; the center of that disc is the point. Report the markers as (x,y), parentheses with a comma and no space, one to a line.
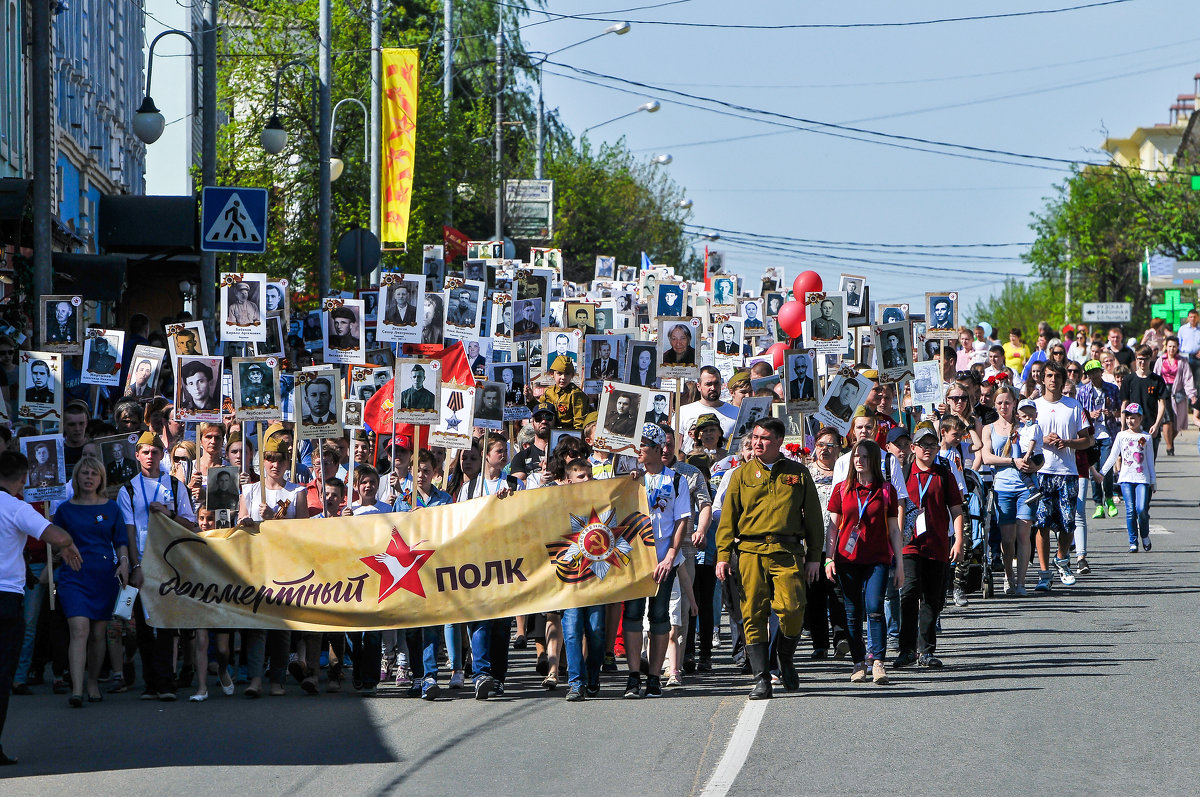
(89,594)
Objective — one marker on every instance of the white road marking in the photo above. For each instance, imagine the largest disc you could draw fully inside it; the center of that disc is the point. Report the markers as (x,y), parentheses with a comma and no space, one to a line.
(738,749)
(1160,530)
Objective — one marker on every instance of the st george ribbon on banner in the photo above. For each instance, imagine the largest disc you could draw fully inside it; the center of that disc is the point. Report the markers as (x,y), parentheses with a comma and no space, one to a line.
(533,551)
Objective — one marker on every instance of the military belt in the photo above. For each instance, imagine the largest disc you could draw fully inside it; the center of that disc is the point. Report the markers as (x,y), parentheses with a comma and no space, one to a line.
(791,539)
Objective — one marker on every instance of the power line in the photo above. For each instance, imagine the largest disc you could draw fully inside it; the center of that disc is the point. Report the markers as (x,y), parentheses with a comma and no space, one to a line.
(827,25)
(833,129)
(987,245)
(941,79)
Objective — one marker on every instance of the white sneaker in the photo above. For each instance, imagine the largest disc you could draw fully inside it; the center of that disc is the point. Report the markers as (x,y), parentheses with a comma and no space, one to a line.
(1064,572)
(1008,587)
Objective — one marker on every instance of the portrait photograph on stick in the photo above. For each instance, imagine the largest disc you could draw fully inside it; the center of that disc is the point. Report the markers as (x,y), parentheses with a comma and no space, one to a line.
(620,417)
(62,324)
(102,357)
(243,307)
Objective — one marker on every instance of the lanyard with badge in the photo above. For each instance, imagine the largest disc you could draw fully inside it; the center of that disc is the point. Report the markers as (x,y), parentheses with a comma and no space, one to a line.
(920,527)
(860,526)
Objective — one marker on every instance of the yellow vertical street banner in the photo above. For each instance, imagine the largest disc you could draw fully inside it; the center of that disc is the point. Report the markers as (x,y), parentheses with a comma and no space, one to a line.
(399,103)
(533,551)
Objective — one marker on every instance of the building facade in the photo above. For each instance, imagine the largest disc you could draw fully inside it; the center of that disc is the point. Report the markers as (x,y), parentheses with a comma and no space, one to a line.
(97,81)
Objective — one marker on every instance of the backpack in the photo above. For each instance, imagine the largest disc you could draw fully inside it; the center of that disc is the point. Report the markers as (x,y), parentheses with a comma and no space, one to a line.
(176,486)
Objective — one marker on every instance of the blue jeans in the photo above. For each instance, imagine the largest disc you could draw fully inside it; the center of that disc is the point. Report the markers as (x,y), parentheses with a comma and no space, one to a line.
(33,608)
(1137,510)
(1081,524)
(577,625)
(863,588)
(453,648)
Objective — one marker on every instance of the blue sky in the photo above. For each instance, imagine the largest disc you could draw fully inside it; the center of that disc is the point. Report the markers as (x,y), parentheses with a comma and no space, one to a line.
(1052,85)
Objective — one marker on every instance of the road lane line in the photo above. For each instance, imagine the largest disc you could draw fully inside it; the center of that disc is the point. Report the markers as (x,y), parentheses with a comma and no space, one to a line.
(737,750)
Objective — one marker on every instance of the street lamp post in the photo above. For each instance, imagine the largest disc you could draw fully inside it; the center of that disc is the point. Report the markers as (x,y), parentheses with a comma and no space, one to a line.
(650,106)
(335,163)
(274,137)
(148,125)
(620,29)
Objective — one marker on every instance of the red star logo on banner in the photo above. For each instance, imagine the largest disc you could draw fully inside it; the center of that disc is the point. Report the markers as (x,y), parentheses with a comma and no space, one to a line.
(398,567)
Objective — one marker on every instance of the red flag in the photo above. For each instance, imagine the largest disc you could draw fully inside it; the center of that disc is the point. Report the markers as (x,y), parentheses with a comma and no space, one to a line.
(455,243)
(378,410)
(707,280)
(455,367)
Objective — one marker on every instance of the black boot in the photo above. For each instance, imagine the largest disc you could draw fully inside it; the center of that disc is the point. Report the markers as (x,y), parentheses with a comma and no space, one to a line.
(756,655)
(787,662)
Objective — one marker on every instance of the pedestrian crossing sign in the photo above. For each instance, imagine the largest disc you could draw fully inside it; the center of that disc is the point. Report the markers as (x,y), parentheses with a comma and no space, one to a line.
(233,219)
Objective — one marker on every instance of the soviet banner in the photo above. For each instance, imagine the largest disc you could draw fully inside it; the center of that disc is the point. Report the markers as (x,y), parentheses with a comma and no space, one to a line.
(400,79)
(534,551)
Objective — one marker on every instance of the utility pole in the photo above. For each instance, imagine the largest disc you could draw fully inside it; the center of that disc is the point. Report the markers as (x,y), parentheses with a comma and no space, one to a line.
(376,154)
(324,200)
(448,93)
(206,308)
(539,164)
(43,171)
(499,145)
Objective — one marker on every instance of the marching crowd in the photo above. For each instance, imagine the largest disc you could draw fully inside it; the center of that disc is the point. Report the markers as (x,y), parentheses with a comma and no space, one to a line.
(858,539)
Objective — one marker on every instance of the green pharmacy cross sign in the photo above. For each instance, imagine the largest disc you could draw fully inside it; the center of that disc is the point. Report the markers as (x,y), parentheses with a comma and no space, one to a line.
(1173,309)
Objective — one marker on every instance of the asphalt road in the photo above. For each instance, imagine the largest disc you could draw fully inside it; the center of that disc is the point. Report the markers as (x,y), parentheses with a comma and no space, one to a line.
(1084,690)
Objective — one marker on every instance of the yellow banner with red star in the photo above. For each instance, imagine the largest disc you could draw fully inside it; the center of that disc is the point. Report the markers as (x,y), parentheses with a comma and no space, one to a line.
(532,551)
(399,103)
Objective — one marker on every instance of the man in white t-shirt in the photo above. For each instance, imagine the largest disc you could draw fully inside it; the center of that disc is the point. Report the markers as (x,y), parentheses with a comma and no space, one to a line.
(152,491)
(709,385)
(671,517)
(1065,429)
(19,520)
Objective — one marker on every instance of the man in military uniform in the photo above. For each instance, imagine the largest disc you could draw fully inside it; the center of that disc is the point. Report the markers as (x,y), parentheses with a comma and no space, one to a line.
(101,360)
(39,390)
(772,519)
(417,397)
(121,469)
(44,471)
(569,401)
(826,327)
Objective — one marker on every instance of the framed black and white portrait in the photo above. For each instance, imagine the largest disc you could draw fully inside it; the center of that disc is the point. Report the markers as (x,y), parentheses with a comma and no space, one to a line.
(851,286)
(62,324)
(941,315)
(319,399)
(669,300)
(418,383)
(344,336)
(642,364)
(893,344)
(102,357)
(256,388)
(489,405)
(243,307)
(801,387)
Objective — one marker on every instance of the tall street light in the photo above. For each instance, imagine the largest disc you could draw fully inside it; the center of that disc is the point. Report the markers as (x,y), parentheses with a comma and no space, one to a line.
(619,29)
(274,137)
(336,166)
(650,106)
(148,125)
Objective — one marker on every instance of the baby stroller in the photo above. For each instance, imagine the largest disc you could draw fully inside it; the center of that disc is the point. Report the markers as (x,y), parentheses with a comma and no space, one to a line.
(974,574)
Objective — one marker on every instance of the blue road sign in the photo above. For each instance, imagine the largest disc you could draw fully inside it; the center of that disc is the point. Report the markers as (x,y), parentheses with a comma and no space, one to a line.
(233,219)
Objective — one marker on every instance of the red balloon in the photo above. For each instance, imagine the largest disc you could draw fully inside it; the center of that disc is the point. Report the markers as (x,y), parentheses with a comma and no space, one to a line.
(776,353)
(809,281)
(791,318)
